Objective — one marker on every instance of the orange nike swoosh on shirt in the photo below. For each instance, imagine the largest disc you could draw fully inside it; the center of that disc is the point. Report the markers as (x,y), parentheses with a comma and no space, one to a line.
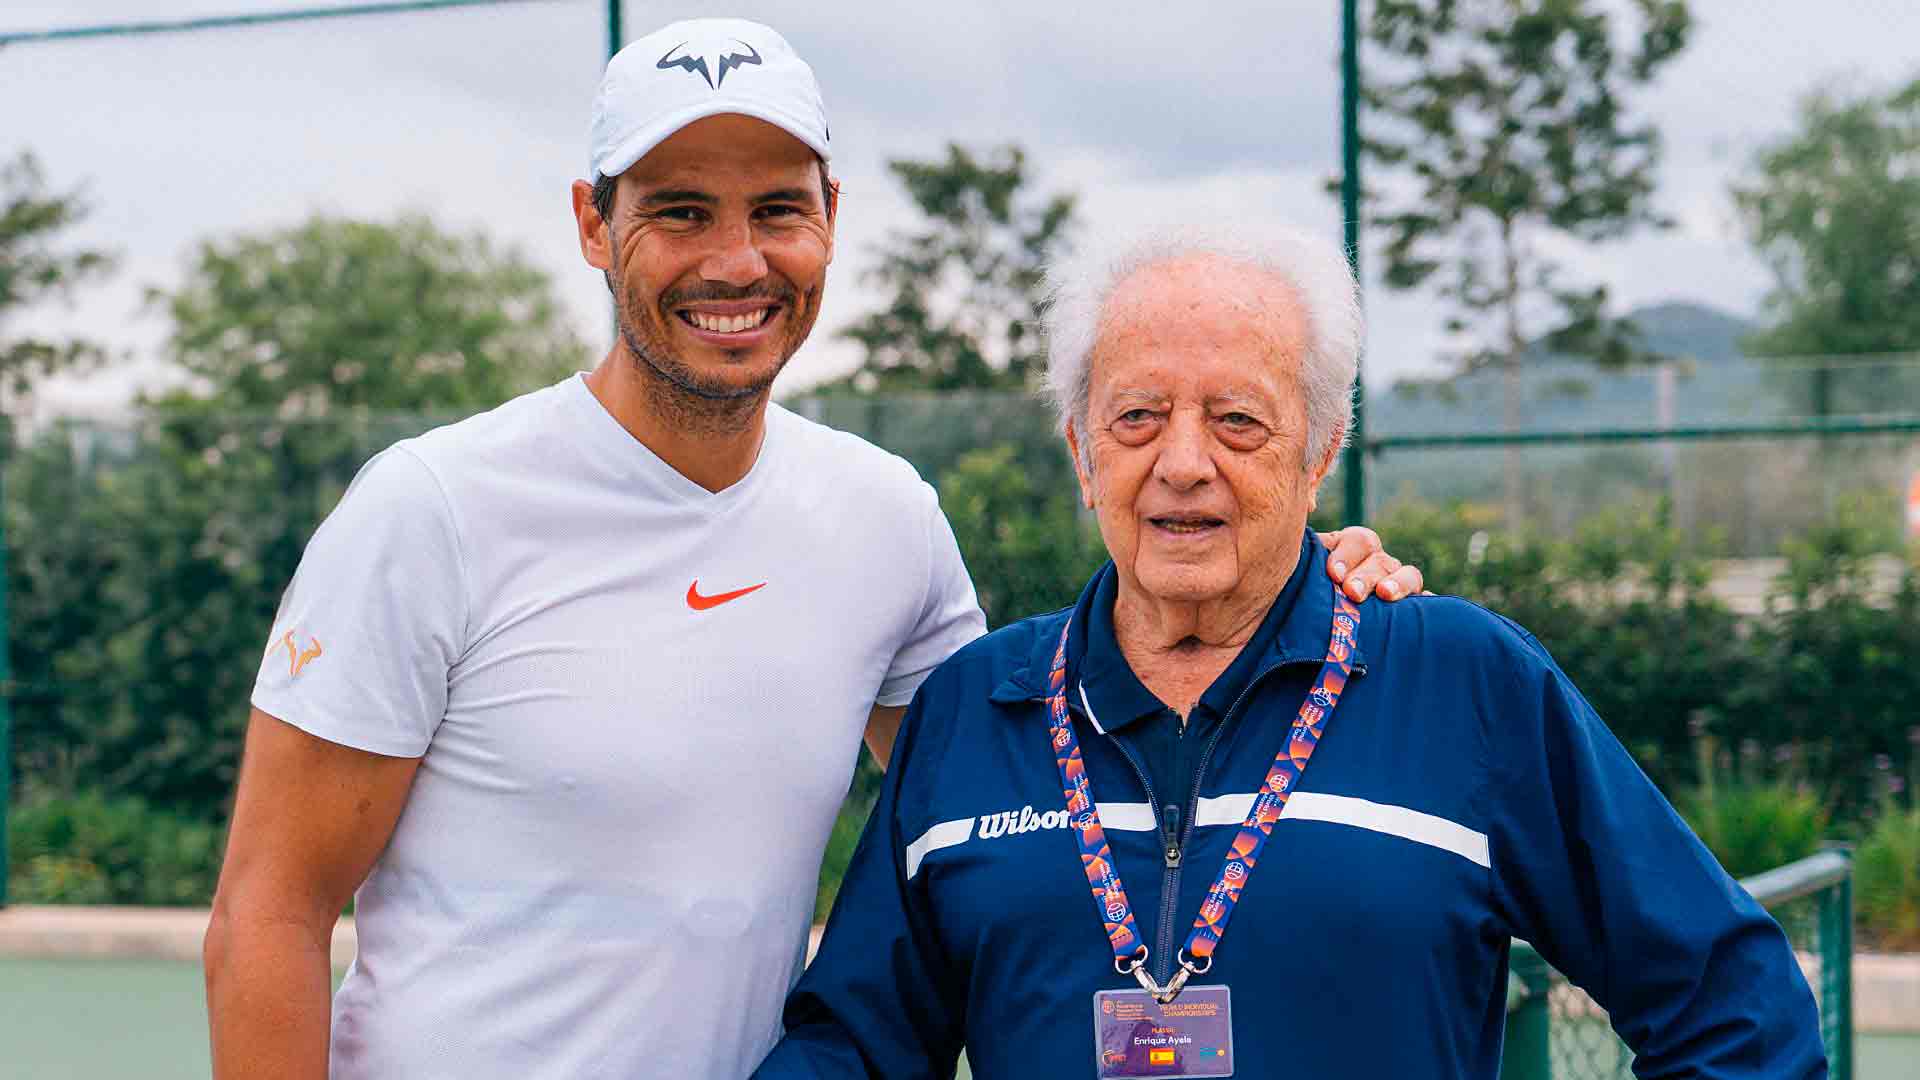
(702,603)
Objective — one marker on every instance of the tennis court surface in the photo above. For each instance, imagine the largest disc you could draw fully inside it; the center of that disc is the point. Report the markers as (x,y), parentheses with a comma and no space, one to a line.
(108,1019)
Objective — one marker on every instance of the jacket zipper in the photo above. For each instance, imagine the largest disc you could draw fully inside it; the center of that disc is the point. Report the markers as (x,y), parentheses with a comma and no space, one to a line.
(1193,807)
(1174,841)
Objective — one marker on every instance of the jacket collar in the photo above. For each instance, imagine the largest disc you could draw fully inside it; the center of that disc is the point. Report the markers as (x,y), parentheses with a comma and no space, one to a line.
(1302,637)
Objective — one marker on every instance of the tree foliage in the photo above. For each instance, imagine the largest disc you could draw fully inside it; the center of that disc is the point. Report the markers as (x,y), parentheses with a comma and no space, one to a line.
(351,314)
(1834,208)
(35,267)
(1505,128)
(965,306)
(1511,122)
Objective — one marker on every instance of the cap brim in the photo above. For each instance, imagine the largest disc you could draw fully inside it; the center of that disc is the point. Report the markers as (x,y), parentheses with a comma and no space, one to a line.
(640,144)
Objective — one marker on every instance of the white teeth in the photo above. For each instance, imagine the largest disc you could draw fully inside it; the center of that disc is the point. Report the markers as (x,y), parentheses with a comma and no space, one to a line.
(728,324)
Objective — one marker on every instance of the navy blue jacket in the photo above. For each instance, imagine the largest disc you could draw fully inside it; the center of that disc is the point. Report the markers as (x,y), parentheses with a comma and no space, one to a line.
(1464,794)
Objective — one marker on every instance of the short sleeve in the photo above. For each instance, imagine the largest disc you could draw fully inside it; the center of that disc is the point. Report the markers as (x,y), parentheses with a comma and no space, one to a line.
(375,617)
(949,617)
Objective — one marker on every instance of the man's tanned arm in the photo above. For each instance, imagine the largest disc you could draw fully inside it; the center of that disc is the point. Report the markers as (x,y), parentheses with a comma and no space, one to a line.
(309,820)
(883,723)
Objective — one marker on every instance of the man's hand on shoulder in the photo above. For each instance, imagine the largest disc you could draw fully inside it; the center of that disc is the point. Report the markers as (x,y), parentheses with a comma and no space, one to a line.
(1360,565)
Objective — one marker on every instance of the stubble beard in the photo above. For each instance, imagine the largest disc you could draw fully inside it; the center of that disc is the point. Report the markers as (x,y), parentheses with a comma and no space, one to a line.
(678,393)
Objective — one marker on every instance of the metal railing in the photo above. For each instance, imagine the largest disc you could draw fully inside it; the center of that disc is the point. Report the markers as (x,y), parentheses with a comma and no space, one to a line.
(1556,1032)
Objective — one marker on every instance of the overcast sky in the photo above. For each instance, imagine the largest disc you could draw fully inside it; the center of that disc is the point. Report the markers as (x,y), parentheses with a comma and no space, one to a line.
(479,118)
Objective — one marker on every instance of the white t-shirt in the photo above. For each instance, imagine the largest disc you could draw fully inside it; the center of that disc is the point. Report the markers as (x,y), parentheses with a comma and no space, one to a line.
(606,864)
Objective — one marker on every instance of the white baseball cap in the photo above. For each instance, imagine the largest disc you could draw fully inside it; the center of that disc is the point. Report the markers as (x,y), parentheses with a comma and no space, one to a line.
(694,69)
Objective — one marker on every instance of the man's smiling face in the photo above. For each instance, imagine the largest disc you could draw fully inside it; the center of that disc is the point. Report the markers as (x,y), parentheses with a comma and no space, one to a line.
(721,237)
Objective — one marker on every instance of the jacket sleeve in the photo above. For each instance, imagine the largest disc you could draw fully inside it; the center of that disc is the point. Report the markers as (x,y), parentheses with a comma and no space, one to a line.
(880,999)
(1594,868)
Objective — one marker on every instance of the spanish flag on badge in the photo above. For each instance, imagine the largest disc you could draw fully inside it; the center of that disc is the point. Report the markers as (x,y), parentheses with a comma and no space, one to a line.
(1159,1057)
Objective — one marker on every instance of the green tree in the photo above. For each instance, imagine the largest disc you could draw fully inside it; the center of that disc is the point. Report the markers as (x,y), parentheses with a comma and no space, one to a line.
(310,349)
(337,314)
(1834,209)
(34,267)
(965,284)
(1503,125)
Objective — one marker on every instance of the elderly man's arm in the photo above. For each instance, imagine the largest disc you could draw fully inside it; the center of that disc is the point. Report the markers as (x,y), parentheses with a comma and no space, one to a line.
(309,820)
(1593,867)
(878,1000)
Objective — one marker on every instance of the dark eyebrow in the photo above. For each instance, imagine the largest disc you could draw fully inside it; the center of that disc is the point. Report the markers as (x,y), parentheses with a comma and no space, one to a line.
(788,195)
(677,195)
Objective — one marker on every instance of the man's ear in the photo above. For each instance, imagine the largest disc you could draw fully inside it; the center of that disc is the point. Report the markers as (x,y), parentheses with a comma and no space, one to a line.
(1081,471)
(833,214)
(595,239)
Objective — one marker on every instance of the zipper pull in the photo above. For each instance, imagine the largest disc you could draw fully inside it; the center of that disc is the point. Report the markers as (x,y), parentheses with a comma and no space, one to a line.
(1170,834)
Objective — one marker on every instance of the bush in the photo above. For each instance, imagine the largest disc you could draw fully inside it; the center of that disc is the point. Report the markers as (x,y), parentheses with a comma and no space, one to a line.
(1623,607)
(90,848)
(1754,827)
(1832,669)
(58,879)
(1886,887)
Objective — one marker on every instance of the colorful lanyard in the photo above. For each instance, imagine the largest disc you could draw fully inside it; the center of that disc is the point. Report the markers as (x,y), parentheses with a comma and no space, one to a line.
(1129,952)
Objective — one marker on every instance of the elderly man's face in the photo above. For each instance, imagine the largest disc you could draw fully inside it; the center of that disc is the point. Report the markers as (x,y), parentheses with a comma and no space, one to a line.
(1198,430)
(721,240)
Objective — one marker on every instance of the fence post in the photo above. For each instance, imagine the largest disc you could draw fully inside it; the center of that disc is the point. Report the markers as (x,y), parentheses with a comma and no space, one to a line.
(1528,1052)
(1836,976)
(6,667)
(1355,509)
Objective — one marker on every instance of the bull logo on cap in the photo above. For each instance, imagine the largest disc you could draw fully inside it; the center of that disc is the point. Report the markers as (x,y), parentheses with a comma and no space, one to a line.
(695,59)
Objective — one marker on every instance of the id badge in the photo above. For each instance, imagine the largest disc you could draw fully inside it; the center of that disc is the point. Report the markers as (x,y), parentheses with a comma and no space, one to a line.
(1190,1036)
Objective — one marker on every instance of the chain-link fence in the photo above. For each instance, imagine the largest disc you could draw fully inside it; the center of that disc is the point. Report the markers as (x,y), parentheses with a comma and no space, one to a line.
(1440,443)
(1556,1032)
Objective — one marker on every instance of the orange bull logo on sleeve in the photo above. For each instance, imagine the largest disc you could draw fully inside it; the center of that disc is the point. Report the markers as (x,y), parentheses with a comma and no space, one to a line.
(297,657)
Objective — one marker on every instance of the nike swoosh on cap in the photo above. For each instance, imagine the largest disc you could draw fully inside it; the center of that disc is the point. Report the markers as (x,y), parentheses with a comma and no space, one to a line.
(703,603)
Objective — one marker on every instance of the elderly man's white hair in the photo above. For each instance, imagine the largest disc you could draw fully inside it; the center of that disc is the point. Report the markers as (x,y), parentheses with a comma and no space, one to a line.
(1079,287)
